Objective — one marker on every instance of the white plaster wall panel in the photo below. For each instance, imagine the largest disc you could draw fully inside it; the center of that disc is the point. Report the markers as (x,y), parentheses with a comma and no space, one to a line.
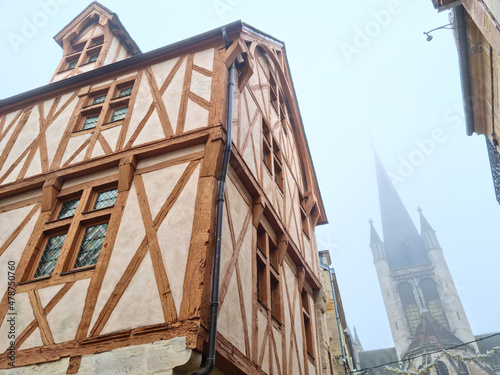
(9,117)
(46,294)
(112,50)
(226,244)
(245,266)
(252,107)
(11,220)
(152,131)
(201,85)
(293,226)
(196,116)
(160,183)
(66,315)
(61,76)
(121,54)
(299,328)
(98,31)
(239,208)
(86,67)
(230,322)
(24,316)
(143,101)
(129,75)
(8,133)
(33,340)
(204,59)
(90,177)
(111,136)
(140,304)
(12,176)
(20,197)
(279,349)
(172,95)
(162,70)
(261,332)
(128,239)
(97,151)
(171,155)
(265,359)
(174,235)
(53,368)
(73,144)
(35,165)
(104,83)
(279,202)
(312,369)
(79,157)
(27,135)
(251,158)
(85,33)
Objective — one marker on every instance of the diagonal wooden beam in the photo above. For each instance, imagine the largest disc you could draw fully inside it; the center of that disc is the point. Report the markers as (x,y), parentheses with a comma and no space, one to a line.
(40,317)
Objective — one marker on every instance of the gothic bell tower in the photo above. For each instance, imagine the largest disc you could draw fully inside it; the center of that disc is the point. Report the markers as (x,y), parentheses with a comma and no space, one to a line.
(412,271)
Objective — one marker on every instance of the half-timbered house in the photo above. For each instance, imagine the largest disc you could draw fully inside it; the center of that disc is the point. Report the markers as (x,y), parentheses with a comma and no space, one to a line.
(109,180)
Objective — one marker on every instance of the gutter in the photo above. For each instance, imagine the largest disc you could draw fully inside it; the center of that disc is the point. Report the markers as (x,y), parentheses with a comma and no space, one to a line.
(344,357)
(464,64)
(214,305)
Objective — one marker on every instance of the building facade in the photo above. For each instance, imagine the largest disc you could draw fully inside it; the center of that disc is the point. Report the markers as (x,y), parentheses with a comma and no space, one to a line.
(109,180)
(477,31)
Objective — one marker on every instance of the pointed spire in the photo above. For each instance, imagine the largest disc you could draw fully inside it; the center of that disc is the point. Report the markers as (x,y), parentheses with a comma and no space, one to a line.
(357,341)
(374,237)
(403,244)
(424,224)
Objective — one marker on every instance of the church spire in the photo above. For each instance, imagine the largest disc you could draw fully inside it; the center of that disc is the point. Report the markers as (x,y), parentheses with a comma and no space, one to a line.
(374,237)
(403,245)
(424,224)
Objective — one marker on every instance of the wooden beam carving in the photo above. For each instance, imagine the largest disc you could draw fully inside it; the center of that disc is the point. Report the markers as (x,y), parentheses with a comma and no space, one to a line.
(301,276)
(282,248)
(50,190)
(126,170)
(258,210)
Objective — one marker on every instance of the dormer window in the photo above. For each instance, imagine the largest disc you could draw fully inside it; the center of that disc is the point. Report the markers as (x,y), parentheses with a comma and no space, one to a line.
(72,64)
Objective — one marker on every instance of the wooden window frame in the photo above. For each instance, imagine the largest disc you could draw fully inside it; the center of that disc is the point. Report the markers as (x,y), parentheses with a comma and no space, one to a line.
(271,156)
(308,323)
(81,52)
(74,227)
(268,288)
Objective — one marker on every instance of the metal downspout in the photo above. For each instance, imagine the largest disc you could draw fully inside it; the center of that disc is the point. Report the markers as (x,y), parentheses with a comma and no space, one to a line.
(214,305)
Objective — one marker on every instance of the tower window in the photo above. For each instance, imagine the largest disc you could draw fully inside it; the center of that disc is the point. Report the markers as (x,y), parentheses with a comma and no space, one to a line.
(72,64)
(433,302)
(93,58)
(441,368)
(409,306)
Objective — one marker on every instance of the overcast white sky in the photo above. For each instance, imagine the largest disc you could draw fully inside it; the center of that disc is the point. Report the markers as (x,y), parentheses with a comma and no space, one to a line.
(361,69)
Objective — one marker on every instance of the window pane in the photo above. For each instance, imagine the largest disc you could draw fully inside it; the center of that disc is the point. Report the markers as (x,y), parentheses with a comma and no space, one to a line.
(125,92)
(119,114)
(72,64)
(90,122)
(106,199)
(93,58)
(410,306)
(50,255)
(68,209)
(99,99)
(91,245)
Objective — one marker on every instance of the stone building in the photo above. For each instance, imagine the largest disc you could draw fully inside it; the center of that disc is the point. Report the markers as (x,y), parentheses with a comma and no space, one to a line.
(422,303)
(115,182)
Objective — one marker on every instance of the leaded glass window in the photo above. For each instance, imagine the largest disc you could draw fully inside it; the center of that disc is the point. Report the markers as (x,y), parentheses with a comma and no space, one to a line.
(99,99)
(90,122)
(93,58)
(72,64)
(68,209)
(91,245)
(119,114)
(106,199)
(409,305)
(50,255)
(125,92)
(433,302)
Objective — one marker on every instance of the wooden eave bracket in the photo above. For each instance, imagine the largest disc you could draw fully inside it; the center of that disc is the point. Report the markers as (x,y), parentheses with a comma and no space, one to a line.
(50,191)
(258,210)
(126,170)
(301,277)
(282,248)
(239,48)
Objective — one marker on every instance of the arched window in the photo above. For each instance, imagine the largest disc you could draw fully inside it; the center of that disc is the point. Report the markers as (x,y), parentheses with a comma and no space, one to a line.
(441,368)
(409,305)
(433,302)
(462,369)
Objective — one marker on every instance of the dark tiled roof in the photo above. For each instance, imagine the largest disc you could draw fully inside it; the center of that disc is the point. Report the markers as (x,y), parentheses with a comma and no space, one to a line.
(373,358)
